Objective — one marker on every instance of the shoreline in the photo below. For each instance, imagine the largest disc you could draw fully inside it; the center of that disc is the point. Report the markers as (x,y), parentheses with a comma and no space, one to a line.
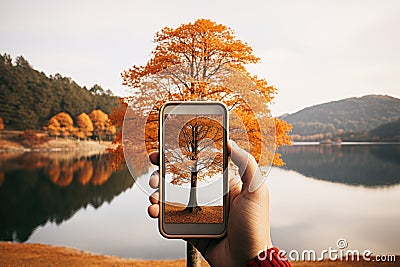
(56,145)
(27,254)
(303,143)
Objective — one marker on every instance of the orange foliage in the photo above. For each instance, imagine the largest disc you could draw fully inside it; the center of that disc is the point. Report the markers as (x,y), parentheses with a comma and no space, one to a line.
(102,126)
(85,126)
(200,61)
(32,138)
(200,142)
(117,118)
(281,128)
(1,124)
(61,125)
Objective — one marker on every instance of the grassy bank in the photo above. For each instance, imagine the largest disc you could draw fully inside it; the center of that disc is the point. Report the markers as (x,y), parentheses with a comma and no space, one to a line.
(11,141)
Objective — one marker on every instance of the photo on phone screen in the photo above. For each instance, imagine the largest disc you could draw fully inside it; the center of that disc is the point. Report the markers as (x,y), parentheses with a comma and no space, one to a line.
(194,160)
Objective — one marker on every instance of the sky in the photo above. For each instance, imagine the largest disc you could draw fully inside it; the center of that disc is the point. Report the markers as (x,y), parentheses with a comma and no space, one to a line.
(312,51)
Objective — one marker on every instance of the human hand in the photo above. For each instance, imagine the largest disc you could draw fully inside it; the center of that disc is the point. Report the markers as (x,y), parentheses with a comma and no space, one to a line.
(248,229)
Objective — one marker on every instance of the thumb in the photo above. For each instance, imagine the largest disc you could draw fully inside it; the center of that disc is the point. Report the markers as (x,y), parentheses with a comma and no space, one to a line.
(248,167)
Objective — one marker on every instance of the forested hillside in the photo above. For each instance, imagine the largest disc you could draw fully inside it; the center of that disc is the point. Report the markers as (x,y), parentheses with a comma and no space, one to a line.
(351,115)
(28,98)
(388,131)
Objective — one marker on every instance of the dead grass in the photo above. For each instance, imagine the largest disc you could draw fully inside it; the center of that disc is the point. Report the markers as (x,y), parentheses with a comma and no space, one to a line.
(208,214)
(10,145)
(16,254)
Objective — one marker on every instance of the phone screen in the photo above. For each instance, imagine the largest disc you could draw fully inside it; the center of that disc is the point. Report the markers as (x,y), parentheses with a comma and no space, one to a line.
(194,171)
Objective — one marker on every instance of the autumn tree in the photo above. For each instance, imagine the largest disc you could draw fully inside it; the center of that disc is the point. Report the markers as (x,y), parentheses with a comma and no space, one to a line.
(200,155)
(102,126)
(85,126)
(202,61)
(1,125)
(61,125)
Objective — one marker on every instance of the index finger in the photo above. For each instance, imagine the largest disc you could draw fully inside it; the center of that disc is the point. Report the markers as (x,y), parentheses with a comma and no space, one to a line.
(154,158)
(248,167)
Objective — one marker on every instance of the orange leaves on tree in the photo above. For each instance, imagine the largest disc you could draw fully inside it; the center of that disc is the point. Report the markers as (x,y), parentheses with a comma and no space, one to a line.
(281,128)
(200,141)
(32,138)
(1,124)
(61,125)
(102,126)
(85,126)
(206,50)
(117,118)
(95,124)
(203,42)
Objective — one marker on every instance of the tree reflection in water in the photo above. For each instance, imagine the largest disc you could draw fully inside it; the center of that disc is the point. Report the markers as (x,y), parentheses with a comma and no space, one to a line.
(36,188)
(365,165)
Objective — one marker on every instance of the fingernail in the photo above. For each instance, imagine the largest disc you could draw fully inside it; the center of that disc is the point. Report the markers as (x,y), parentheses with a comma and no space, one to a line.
(256,182)
(233,143)
(154,174)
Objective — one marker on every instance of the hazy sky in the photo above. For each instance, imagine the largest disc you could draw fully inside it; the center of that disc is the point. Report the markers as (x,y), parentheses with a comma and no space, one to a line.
(312,51)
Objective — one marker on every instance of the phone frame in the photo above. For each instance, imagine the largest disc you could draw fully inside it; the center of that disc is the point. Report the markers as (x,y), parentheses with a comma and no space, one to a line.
(194,230)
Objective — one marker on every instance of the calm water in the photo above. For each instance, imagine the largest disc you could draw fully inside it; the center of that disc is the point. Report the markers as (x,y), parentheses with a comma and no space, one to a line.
(323,193)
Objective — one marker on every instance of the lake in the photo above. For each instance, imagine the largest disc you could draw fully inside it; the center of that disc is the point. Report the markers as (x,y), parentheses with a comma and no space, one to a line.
(322,194)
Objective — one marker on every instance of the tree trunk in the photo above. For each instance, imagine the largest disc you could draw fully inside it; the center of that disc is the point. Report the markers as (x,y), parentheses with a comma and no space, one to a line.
(192,206)
(192,256)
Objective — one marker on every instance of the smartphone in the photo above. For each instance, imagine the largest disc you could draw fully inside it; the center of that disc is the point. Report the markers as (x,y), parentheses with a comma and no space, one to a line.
(194,193)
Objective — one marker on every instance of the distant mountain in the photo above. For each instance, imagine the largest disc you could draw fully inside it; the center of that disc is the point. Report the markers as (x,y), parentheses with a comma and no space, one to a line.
(350,115)
(28,98)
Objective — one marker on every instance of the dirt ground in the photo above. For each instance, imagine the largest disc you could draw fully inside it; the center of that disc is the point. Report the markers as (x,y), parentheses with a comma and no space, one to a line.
(208,214)
(16,254)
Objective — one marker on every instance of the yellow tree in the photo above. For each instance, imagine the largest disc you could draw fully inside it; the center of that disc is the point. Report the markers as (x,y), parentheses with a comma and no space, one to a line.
(102,126)
(202,60)
(196,59)
(61,125)
(53,127)
(85,126)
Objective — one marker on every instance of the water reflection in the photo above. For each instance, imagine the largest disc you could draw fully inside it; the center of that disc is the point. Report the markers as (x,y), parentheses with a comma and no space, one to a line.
(366,165)
(36,188)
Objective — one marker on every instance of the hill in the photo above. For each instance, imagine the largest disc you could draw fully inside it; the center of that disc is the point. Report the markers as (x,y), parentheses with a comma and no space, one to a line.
(350,115)
(28,98)
(388,131)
